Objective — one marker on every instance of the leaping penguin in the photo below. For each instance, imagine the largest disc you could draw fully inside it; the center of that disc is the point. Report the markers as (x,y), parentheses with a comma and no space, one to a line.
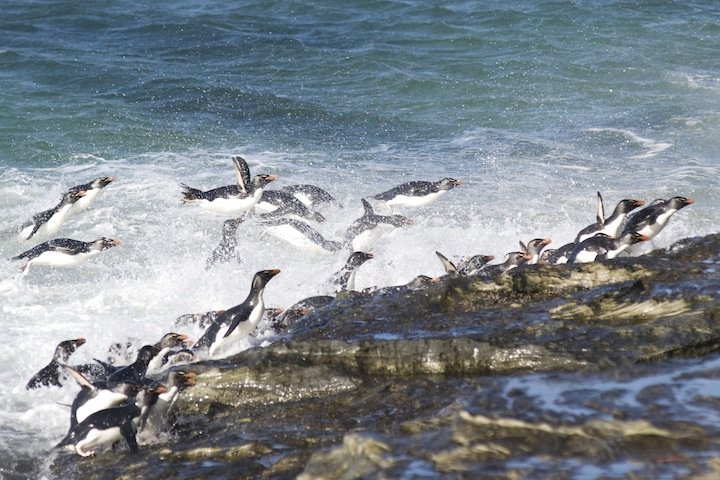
(651,220)
(47,223)
(50,374)
(64,252)
(344,279)
(612,225)
(601,247)
(417,193)
(366,230)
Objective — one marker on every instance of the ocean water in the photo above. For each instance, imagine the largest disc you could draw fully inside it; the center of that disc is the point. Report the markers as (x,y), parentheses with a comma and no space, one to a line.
(535,105)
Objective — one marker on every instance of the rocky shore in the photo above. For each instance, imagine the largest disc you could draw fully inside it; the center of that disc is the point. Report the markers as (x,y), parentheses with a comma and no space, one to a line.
(607,368)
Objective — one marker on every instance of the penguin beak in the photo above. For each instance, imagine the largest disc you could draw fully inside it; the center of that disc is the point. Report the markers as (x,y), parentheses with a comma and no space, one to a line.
(115,242)
(80,341)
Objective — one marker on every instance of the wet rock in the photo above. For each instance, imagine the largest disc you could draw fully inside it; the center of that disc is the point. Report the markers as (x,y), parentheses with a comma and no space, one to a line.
(546,368)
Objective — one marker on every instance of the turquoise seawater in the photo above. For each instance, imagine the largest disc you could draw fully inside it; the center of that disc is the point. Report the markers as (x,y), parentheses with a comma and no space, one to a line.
(535,105)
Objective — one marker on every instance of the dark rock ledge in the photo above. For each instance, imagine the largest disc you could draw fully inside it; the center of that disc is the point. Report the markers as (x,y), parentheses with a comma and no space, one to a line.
(444,383)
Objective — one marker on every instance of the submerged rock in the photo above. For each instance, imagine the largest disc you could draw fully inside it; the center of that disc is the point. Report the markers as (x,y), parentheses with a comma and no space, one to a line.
(545,368)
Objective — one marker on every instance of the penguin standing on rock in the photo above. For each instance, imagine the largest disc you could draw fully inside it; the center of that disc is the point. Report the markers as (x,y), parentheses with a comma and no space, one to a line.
(416,193)
(64,252)
(50,374)
(240,320)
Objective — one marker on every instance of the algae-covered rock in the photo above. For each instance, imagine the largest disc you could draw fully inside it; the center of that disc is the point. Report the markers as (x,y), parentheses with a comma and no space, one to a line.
(608,366)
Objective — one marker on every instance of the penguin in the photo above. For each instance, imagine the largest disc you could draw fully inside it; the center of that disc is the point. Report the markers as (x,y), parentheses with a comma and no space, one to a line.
(557,256)
(93,397)
(154,422)
(92,190)
(602,246)
(47,223)
(49,375)
(300,234)
(240,319)
(449,267)
(298,310)
(367,229)
(133,374)
(472,265)
(611,225)
(230,199)
(534,248)
(202,320)
(651,220)
(276,203)
(169,341)
(512,260)
(344,279)
(421,281)
(309,195)
(227,249)
(106,427)
(64,252)
(417,193)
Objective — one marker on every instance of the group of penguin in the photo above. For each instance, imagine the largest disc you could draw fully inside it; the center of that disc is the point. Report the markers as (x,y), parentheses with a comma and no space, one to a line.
(132,402)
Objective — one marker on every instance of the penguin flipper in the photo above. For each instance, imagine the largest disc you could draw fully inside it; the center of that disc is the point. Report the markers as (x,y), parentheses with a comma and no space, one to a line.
(600,210)
(242,172)
(128,433)
(449,266)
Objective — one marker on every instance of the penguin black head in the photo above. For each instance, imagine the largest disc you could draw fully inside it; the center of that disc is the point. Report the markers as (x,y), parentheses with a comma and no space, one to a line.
(398,220)
(637,237)
(147,353)
(448,183)
(628,205)
(73,196)
(67,348)
(230,226)
(679,202)
(104,243)
(358,258)
(259,181)
(172,339)
(262,277)
(101,182)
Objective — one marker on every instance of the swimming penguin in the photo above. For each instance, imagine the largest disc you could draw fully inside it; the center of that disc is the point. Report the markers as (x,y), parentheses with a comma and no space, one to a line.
(652,219)
(134,373)
(366,230)
(534,248)
(50,373)
(230,199)
(417,193)
(612,225)
(92,190)
(64,252)
(240,320)
(47,223)
(106,427)
(344,279)
(601,247)
(300,234)
(277,203)
(309,195)
(227,249)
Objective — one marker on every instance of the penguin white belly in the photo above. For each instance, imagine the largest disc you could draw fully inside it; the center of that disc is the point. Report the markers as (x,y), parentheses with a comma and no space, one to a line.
(265,207)
(97,438)
(364,241)
(223,344)
(83,203)
(585,256)
(653,229)
(102,401)
(415,201)
(304,198)
(57,259)
(294,237)
(229,206)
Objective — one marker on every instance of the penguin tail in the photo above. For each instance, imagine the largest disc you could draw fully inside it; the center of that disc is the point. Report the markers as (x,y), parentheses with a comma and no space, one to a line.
(190,193)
